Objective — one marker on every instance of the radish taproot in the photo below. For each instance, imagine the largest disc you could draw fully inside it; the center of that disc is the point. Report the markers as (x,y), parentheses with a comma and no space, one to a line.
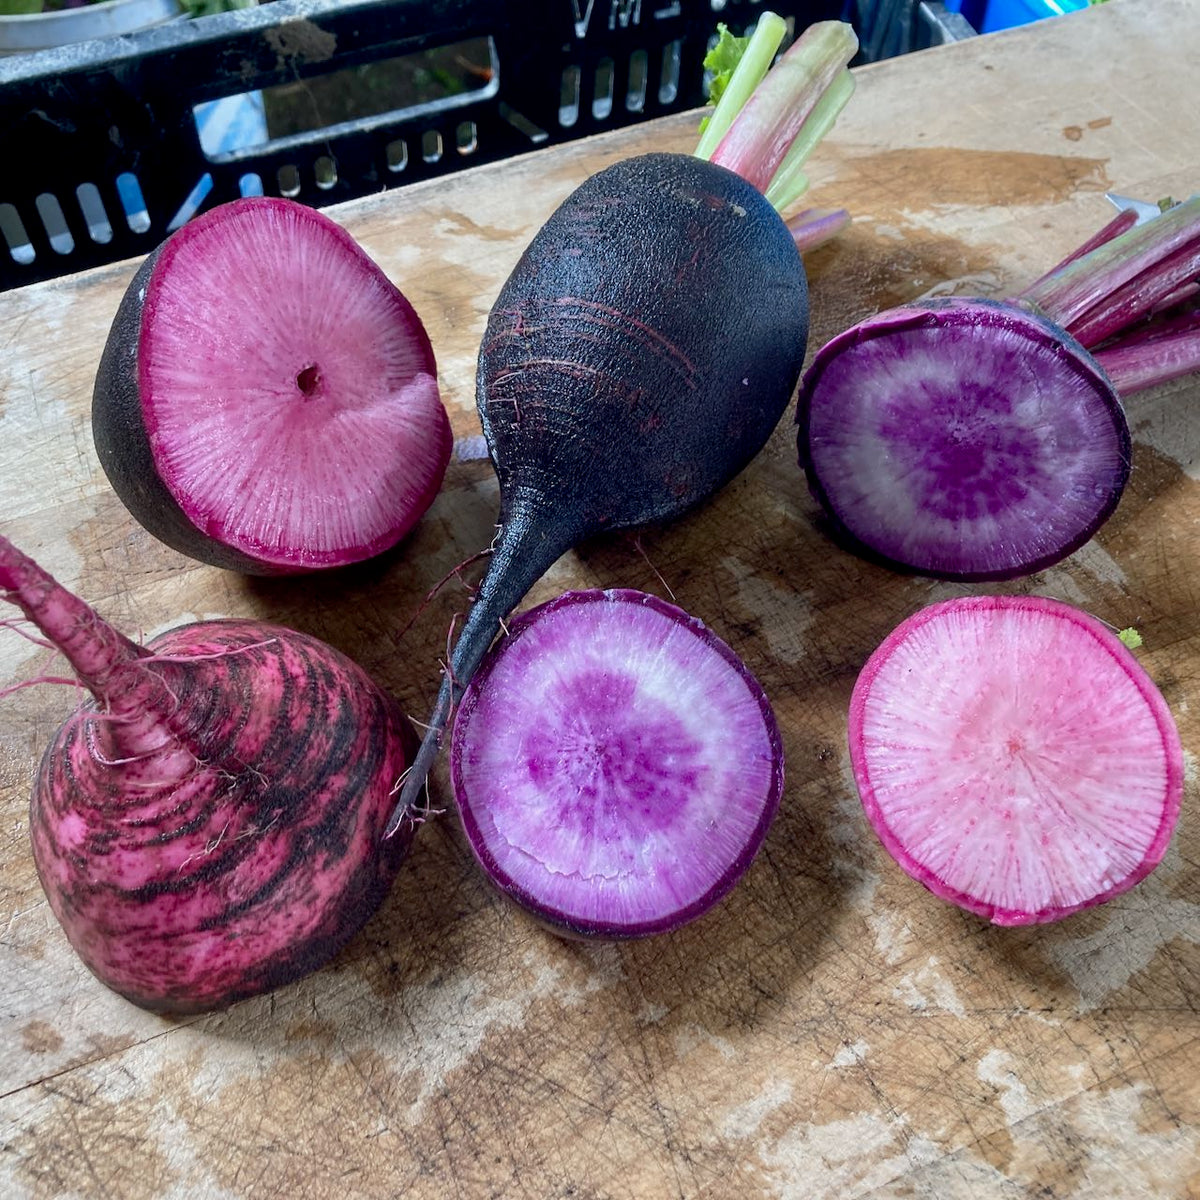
(615,765)
(649,339)
(267,400)
(1014,757)
(208,826)
(976,439)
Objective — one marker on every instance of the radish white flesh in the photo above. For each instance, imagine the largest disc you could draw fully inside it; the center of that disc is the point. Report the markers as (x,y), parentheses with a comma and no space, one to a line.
(268,400)
(1014,757)
(615,765)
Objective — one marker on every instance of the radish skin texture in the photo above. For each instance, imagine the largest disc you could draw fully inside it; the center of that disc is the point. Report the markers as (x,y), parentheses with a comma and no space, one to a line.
(267,400)
(615,765)
(210,825)
(1014,757)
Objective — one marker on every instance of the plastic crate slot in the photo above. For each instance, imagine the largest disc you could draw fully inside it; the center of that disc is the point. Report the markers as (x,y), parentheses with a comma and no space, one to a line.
(288,178)
(346,102)
(13,228)
(55,223)
(92,207)
(568,96)
(602,89)
(397,155)
(250,184)
(325,169)
(466,137)
(668,79)
(639,74)
(133,202)
(191,203)
(522,124)
(431,146)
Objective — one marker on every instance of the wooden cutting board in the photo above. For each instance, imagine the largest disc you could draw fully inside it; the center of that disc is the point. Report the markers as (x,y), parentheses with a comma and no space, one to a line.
(831,1030)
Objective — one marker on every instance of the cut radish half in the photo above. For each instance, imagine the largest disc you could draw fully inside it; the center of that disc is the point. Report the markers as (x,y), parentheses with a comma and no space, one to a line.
(267,400)
(1014,757)
(615,765)
(962,438)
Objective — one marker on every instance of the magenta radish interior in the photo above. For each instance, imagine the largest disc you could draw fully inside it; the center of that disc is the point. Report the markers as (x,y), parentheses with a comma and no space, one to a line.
(1014,757)
(991,461)
(289,390)
(615,765)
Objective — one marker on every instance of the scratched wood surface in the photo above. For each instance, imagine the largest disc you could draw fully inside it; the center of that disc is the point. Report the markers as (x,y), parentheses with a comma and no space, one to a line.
(831,1030)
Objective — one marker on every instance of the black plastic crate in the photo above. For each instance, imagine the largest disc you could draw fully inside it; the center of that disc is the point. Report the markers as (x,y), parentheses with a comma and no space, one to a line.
(101,153)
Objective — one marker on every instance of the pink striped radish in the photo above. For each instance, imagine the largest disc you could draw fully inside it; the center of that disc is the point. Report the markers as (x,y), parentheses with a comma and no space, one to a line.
(208,826)
(1014,757)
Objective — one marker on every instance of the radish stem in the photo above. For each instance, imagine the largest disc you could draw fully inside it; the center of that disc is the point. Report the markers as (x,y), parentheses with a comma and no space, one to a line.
(774,118)
(1122,279)
(752,66)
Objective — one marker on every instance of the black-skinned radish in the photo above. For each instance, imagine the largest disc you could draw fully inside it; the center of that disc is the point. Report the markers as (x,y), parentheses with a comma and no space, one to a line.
(267,400)
(650,337)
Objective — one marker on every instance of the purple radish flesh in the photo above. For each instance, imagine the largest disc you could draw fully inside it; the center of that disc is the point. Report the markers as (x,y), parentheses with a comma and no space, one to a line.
(615,765)
(1014,757)
(640,354)
(267,400)
(974,439)
(208,826)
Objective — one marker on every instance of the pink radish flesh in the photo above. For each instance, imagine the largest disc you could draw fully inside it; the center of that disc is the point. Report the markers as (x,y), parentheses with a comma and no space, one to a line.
(1014,757)
(210,826)
(615,765)
(276,389)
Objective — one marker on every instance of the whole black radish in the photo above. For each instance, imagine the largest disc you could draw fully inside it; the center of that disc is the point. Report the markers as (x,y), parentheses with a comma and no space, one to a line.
(638,357)
(645,345)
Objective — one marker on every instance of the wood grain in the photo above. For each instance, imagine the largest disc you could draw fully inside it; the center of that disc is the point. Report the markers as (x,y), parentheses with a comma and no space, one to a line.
(831,1030)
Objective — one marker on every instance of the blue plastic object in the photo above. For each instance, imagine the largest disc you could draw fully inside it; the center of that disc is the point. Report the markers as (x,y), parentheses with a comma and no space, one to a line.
(987,16)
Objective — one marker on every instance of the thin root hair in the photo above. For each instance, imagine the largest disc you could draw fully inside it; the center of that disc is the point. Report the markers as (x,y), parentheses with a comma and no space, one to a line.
(453,573)
(637,545)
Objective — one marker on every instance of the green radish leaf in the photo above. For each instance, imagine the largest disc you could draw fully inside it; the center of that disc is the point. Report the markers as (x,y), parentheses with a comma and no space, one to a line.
(1130,637)
(722,61)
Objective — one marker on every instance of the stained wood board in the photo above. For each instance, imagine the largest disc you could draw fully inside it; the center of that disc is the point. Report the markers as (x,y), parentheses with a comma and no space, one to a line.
(831,1030)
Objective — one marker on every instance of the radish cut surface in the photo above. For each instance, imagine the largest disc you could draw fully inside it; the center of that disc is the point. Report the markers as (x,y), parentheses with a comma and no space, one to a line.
(615,765)
(1014,757)
(963,438)
(285,390)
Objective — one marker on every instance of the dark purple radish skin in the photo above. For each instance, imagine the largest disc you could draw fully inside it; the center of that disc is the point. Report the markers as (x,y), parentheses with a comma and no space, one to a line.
(1014,757)
(615,765)
(267,400)
(208,827)
(983,440)
(643,349)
